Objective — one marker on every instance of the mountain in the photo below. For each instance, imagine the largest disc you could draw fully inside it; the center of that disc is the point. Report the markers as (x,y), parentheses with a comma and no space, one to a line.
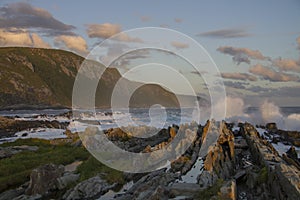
(33,77)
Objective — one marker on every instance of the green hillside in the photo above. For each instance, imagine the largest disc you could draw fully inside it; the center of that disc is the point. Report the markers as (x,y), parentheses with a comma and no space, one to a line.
(32,77)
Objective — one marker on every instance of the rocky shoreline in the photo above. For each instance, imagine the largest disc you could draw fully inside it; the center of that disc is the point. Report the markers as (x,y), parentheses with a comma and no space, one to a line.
(242,164)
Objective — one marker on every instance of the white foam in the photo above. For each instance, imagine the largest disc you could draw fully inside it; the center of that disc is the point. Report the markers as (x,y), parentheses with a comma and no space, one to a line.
(42,133)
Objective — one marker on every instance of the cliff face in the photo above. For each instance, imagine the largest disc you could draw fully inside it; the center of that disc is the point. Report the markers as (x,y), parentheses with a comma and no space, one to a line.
(45,77)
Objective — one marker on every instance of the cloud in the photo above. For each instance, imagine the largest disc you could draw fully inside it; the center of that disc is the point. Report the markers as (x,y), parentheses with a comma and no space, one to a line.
(145,18)
(75,43)
(287,64)
(105,30)
(226,33)
(268,73)
(242,54)
(108,30)
(201,73)
(178,20)
(21,38)
(22,15)
(239,76)
(236,85)
(164,25)
(258,89)
(179,45)
(298,42)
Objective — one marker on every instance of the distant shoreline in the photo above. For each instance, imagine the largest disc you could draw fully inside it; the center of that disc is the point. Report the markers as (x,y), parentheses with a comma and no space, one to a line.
(45,107)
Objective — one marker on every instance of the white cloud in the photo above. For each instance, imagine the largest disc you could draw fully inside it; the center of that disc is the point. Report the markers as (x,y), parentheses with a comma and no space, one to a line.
(105,30)
(287,65)
(179,45)
(108,30)
(17,37)
(268,73)
(242,54)
(75,43)
(239,76)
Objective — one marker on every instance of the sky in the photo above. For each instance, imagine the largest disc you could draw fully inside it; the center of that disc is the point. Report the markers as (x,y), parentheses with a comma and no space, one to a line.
(255,44)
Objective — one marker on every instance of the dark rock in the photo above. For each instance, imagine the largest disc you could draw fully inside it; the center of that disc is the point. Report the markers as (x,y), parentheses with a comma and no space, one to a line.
(89,189)
(184,189)
(292,153)
(24,135)
(271,126)
(44,179)
(228,190)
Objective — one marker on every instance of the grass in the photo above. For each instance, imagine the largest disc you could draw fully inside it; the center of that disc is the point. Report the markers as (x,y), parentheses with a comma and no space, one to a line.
(263,176)
(16,170)
(92,167)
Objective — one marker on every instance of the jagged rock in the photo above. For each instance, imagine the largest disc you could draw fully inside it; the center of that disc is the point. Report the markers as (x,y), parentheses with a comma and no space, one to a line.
(282,179)
(12,194)
(271,126)
(219,161)
(89,189)
(150,185)
(44,179)
(184,189)
(207,179)
(172,132)
(240,144)
(292,153)
(153,193)
(228,190)
(27,197)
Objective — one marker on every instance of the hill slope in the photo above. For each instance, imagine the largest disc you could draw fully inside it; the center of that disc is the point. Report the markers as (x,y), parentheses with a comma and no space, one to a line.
(32,77)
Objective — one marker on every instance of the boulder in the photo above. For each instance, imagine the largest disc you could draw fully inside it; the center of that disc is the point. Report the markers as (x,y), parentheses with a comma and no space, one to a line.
(89,189)
(44,179)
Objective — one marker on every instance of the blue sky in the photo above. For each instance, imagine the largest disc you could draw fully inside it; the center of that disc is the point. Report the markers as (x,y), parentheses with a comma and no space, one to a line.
(254,40)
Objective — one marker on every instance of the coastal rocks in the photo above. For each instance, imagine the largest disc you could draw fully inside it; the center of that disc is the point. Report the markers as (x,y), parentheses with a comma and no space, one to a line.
(282,179)
(271,126)
(184,189)
(292,153)
(44,179)
(276,135)
(88,189)
(150,186)
(8,127)
(228,190)
(219,161)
